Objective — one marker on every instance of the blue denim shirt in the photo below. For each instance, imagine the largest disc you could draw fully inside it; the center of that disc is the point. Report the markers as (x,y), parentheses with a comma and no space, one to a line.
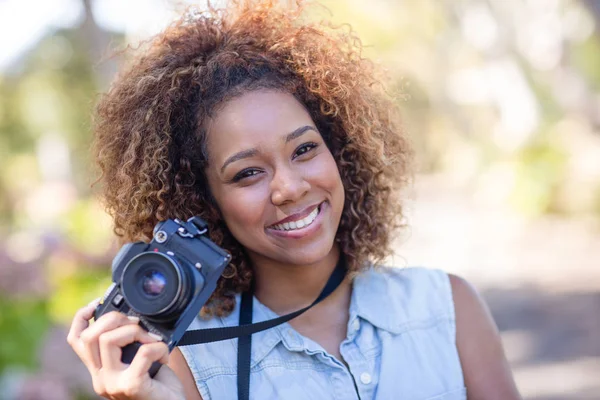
(400,345)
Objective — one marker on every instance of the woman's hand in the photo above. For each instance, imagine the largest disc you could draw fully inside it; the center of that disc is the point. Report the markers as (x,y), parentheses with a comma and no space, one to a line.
(99,347)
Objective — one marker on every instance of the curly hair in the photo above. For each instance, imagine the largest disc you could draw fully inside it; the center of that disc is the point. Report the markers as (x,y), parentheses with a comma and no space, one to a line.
(150,132)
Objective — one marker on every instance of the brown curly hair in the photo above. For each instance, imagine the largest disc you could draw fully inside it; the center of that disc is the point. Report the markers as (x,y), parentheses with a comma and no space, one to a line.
(149,126)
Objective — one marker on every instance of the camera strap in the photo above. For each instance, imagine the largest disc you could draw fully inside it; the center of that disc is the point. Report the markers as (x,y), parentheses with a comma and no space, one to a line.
(246,328)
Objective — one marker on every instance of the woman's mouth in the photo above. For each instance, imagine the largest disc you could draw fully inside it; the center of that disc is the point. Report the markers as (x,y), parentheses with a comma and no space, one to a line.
(301,223)
(301,227)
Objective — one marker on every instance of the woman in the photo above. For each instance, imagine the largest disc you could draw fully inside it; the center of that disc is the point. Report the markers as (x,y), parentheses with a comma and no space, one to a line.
(276,133)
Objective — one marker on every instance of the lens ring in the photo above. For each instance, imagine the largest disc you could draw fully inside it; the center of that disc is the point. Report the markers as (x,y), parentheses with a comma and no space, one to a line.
(134,276)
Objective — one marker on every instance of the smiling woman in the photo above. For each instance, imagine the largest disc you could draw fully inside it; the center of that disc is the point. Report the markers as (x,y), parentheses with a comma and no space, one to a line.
(203,83)
(278,134)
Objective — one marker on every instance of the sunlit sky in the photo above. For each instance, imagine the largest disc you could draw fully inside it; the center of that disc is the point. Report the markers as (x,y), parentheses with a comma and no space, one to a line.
(24,23)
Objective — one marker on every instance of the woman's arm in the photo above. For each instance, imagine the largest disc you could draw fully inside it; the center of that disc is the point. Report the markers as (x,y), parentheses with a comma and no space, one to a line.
(485,368)
(179,366)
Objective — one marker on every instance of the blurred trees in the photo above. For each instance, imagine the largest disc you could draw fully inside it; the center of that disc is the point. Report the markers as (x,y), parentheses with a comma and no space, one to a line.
(502,95)
(55,240)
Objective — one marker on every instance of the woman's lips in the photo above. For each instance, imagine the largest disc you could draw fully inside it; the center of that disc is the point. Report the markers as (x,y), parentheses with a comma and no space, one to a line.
(297,216)
(305,231)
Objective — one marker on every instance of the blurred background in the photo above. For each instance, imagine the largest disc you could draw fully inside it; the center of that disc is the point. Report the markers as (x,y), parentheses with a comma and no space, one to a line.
(501,99)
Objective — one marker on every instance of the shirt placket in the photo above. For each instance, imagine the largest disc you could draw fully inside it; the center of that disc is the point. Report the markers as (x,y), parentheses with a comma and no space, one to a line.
(340,376)
(359,368)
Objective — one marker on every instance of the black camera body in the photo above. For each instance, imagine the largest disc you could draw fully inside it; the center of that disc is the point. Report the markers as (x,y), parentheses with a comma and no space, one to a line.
(165,282)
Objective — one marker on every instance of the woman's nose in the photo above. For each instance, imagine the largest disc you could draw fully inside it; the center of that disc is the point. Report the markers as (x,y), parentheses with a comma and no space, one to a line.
(288,185)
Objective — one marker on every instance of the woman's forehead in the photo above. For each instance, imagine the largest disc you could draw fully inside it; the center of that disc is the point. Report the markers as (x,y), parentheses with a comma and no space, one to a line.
(255,117)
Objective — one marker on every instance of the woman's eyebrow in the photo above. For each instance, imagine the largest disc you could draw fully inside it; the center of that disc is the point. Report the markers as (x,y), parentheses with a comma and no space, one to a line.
(239,156)
(252,152)
(298,132)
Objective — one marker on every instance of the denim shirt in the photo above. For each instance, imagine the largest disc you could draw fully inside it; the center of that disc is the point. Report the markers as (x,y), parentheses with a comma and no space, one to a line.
(400,345)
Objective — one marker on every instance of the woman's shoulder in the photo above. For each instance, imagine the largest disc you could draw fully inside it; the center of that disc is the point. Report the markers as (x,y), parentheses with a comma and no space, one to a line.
(413,277)
(405,296)
(483,361)
(414,283)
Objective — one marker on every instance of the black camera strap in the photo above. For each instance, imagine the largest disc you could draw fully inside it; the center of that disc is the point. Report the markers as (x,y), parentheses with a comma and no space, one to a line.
(246,328)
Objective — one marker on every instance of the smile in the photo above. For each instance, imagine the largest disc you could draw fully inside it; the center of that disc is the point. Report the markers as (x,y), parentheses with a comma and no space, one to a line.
(301,223)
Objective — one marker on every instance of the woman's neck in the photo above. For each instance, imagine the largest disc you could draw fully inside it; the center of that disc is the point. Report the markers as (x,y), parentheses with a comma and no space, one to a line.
(287,288)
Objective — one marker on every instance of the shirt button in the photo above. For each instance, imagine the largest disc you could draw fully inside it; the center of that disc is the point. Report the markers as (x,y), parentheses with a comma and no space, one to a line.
(365,378)
(355,325)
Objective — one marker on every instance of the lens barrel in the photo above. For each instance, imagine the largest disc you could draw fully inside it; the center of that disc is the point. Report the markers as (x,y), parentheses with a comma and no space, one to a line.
(156,286)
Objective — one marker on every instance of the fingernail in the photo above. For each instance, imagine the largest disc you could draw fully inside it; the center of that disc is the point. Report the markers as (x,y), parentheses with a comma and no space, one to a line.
(155,336)
(133,318)
(94,302)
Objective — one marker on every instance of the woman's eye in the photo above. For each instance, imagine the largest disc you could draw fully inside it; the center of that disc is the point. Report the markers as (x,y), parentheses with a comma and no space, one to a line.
(303,149)
(245,174)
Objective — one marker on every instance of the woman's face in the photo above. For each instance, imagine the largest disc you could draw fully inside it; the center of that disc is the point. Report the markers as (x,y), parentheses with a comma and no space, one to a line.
(274,179)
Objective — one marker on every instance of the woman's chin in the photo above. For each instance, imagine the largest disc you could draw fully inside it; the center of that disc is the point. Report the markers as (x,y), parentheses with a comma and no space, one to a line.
(309,256)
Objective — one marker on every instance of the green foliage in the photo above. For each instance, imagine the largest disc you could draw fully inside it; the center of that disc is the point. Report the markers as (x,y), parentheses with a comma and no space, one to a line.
(586,58)
(87,227)
(540,170)
(75,287)
(23,324)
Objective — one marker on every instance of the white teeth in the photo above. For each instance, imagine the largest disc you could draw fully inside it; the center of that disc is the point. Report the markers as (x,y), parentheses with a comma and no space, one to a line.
(287,226)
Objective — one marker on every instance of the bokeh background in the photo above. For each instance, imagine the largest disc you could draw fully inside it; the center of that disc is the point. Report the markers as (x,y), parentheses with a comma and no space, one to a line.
(501,99)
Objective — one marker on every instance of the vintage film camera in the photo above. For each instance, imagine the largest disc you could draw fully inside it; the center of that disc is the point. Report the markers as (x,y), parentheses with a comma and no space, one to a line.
(165,282)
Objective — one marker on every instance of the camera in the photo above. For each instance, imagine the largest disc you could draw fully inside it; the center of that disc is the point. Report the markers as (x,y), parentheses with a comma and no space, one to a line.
(165,282)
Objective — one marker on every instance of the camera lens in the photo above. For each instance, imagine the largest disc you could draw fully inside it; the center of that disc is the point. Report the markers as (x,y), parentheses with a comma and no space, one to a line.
(154,283)
(156,286)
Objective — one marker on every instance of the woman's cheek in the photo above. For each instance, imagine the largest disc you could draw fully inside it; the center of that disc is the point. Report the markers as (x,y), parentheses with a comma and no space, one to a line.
(326,171)
(244,208)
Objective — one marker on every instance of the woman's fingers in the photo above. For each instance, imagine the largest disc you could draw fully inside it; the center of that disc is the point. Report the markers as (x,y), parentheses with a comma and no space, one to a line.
(79,324)
(146,355)
(99,346)
(111,342)
(90,336)
(81,321)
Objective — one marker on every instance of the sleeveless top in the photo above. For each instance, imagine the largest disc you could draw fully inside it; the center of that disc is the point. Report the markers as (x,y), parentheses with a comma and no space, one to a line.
(400,345)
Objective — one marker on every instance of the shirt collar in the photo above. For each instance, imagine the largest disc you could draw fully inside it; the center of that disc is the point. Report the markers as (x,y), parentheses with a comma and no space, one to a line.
(263,342)
(371,300)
